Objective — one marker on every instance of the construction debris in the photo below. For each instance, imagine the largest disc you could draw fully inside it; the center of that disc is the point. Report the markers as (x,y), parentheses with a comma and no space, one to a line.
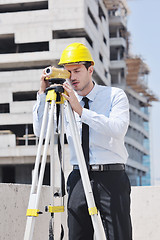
(136,78)
(116,4)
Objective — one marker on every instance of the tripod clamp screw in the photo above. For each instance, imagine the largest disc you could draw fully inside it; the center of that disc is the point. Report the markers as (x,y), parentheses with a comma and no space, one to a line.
(46,208)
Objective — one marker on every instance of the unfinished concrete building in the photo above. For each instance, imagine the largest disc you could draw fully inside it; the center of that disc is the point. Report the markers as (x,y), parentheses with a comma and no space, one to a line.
(131,74)
(33,35)
(140,98)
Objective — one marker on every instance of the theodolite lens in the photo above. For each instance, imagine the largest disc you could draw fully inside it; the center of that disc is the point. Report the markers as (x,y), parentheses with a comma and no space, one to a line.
(48,70)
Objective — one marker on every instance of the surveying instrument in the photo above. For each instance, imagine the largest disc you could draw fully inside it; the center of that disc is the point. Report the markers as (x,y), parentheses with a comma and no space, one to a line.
(54,97)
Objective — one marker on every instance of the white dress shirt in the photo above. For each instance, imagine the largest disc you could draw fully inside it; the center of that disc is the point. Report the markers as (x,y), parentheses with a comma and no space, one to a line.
(108,120)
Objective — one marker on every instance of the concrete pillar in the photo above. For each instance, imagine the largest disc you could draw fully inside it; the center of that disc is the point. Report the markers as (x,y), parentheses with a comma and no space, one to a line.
(0,174)
(118,35)
(119,77)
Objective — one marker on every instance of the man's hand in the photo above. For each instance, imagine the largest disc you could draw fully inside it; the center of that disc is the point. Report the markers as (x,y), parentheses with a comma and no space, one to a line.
(43,83)
(71,97)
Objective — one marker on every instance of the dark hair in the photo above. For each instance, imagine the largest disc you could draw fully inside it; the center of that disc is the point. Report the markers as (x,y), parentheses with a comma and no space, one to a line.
(87,64)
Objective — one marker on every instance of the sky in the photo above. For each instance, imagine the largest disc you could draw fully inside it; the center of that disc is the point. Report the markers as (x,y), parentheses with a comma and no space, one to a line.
(143,24)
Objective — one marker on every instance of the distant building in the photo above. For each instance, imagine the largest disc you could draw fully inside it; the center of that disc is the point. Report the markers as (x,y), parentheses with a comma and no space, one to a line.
(33,35)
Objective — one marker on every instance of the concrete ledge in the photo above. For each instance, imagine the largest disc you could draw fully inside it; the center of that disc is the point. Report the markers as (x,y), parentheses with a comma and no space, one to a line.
(14,202)
(145,210)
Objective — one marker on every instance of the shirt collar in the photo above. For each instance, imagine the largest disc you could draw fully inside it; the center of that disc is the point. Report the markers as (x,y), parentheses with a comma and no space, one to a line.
(91,95)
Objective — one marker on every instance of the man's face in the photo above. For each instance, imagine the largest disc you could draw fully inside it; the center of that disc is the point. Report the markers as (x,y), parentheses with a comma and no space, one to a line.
(81,78)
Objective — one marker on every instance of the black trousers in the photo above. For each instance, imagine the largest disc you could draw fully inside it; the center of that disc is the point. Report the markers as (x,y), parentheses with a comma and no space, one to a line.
(111,191)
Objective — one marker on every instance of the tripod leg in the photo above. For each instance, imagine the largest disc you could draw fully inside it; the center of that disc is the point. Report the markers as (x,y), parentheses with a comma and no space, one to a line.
(52,166)
(95,217)
(52,180)
(38,156)
(62,150)
(62,166)
(57,186)
(41,175)
(59,182)
(32,211)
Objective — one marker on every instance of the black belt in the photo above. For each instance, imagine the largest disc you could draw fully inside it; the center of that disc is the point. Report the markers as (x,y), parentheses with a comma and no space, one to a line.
(104,167)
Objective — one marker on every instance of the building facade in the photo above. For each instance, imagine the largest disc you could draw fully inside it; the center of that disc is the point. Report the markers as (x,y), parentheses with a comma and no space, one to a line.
(33,34)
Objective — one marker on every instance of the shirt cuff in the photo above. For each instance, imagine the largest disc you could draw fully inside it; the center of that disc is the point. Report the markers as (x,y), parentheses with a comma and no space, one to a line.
(41,97)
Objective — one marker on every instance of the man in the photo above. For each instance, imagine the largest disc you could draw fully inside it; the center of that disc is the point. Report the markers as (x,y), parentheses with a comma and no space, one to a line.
(108,119)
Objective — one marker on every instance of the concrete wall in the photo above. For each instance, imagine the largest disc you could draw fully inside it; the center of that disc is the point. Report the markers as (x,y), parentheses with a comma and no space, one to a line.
(13,206)
(14,202)
(145,210)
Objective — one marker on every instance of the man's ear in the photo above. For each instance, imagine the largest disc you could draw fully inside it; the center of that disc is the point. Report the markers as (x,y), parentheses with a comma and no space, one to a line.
(90,70)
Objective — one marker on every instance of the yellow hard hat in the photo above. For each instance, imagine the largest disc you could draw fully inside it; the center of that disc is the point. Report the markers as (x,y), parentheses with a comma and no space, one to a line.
(75,53)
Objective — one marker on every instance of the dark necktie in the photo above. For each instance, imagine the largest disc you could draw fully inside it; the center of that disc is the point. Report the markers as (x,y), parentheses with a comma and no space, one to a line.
(85,135)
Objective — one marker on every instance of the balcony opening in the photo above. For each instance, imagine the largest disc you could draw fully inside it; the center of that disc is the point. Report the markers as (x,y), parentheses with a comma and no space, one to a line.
(117,53)
(72,33)
(114,78)
(8,45)
(4,108)
(113,54)
(21,7)
(112,34)
(23,132)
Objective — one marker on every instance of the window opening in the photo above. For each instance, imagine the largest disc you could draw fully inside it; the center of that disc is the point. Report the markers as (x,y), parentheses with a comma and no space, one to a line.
(8,174)
(92,18)
(24,96)
(100,57)
(104,40)
(72,33)
(105,73)
(28,6)
(8,45)
(4,108)
(8,69)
